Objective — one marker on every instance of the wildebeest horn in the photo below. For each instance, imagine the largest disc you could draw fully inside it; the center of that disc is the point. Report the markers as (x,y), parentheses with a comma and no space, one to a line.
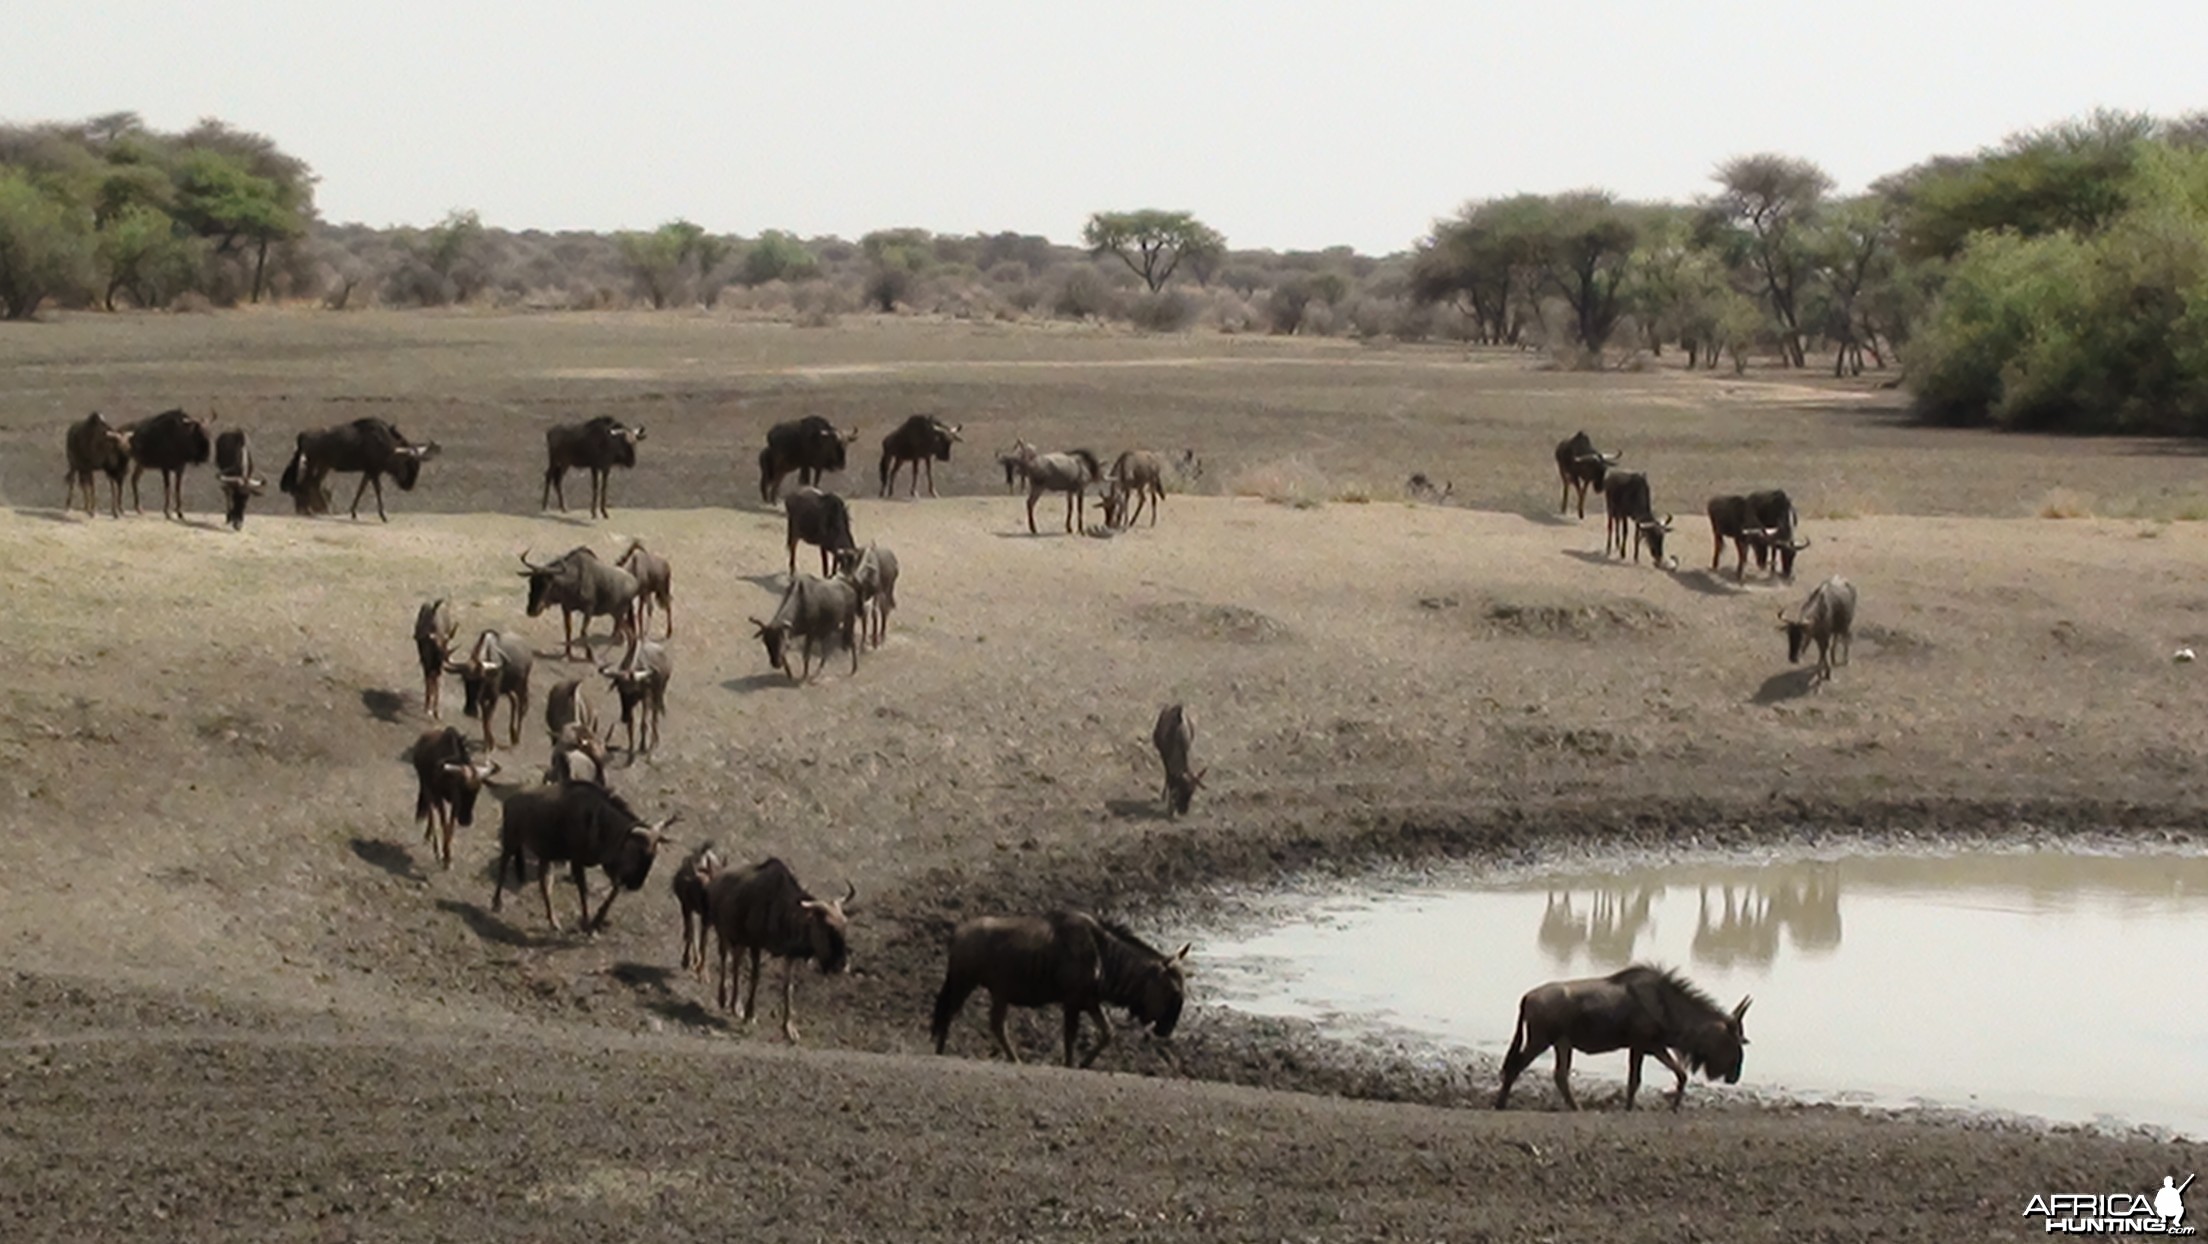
(1799,546)
(636,433)
(455,667)
(1185,948)
(1612,457)
(1742,1010)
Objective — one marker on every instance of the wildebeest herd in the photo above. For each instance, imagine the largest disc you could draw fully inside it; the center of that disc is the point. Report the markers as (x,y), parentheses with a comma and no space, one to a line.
(1073,960)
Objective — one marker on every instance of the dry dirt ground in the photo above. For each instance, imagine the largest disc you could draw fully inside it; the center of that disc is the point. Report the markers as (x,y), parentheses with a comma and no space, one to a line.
(245,1003)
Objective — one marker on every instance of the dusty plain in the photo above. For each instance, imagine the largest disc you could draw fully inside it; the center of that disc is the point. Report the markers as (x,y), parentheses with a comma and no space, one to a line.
(242,1001)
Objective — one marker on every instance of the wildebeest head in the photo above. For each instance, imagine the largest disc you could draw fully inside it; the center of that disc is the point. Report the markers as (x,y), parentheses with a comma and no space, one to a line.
(945,434)
(407,460)
(632,865)
(1719,1047)
(1182,788)
(1652,534)
(471,775)
(826,924)
(478,673)
(542,578)
(1161,993)
(776,638)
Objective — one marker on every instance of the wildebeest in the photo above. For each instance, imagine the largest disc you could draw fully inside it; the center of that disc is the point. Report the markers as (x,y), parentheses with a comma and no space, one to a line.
(811,446)
(579,583)
(1138,476)
(568,704)
(640,678)
(596,445)
(447,780)
(1625,503)
(873,575)
(168,442)
(690,885)
(582,825)
(1761,523)
(764,910)
(1069,958)
(655,583)
(1581,466)
(1173,735)
(820,519)
(234,471)
(95,446)
(1422,488)
(920,442)
(1070,473)
(1647,1011)
(496,668)
(369,447)
(434,628)
(1826,618)
(577,756)
(1013,471)
(812,610)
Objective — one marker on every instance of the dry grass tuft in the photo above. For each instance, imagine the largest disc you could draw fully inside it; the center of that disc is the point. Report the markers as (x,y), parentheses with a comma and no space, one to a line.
(2065,503)
(1283,481)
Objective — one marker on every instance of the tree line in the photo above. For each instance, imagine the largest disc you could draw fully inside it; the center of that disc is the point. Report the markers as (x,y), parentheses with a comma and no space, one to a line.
(2057,280)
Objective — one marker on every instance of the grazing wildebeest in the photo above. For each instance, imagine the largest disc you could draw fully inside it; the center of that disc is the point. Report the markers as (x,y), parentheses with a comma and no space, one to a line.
(581,824)
(1138,476)
(447,781)
(821,519)
(1070,473)
(434,628)
(1069,958)
(234,471)
(1422,488)
(873,575)
(1761,523)
(168,443)
(1581,466)
(764,910)
(812,610)
(577,756)
(811,446)
(1174,734)
(579,583)
(496,668)
(1626,504)
(95,446)
(1826,618)
(596,445)
(640,679)
(568,704)
(690,884)
(1650,1012)
(921,442)
(655,583)
(369,447)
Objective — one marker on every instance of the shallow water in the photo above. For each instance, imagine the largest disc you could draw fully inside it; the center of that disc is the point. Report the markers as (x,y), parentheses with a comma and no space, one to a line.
(2069,986)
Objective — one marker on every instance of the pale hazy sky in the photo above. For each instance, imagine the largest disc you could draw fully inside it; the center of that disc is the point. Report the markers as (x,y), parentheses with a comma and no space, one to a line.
(1284,125)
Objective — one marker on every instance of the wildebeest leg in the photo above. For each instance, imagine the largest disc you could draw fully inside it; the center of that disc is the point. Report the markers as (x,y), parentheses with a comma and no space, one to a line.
(687,919)
(851,641)
(498,882)
(1717,554)
(1633,1075)
(513,720)
(553,487)
(598,481)
(789,993)
(998,1007)
(1521,1055)
(445,852)
(544,891)
(613,891)
(948,1003)
(725,962)
(751,996)
(1679,1091)
(576,870)
(1564,502)
(1103,1033)
(1073,1031)
(793,558)
(1032,493)
(1564,1074)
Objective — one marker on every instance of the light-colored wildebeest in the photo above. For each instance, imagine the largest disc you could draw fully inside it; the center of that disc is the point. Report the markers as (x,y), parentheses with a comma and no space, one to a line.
(370,447)
(640,680)
(168,442)
(655,584)
(1581,466)
(568,705)
(1626,505)
(1648,1012)
(96,447)
(234,472)
(1761,523)
(1826,618)
(762,909)
(691,882)
(1173,735)
(596,445)
(812,611)
(811,446)
(434,628)
(582,825)
(497,668)
(580,584)
(1138,477)
(919,442)
(1070,473)
(447,781)
(872,573)
(1068,958)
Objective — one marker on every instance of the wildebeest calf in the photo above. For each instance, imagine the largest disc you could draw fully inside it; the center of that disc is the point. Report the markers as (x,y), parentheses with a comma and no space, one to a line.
(762,909)
(1826,618)
(1173,735)
(234,471)
(496,668)
(1138,477)
(584,826)
(1070,958)
(873,574)
(690,885)
(95,447)
(447,781)
(434,627)
(655,584)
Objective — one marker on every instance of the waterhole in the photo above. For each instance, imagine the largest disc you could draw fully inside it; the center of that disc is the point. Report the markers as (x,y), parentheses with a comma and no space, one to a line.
(2067,986)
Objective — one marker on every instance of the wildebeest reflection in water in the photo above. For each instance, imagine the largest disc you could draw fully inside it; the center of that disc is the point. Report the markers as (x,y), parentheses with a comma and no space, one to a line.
(1613,923)
(1745,928)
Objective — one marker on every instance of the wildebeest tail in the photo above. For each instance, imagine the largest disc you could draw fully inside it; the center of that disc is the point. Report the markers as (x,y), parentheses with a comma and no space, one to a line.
(1088,459)
(1517,1040)
(290,482)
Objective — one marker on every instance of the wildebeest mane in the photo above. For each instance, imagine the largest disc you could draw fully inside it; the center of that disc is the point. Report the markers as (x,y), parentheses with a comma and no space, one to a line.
(1121,958)
(1680,1007)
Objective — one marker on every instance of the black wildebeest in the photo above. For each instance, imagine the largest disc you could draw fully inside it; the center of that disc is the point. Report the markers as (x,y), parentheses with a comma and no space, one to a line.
(811,446)
(820,519)
(579,583)
(1581,466)
(1761,523)
(1069,958)
(1070,473)
(168,442)
(764,910)
(1626,504)
(691,882)
(496,668)
(234,471)
(583,825)
(873,575)
(1827,619)
(655,583)
(1649,1012)
(95,446)
(369,447)
(921,442)
(596,445)
(1173,735)
(434,628)
(447,781)
(813,611)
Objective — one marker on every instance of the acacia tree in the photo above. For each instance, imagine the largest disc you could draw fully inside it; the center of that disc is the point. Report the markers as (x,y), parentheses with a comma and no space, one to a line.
(894,257)
(45,246)
(1152,243)
(659,260)
(1769,202)
(1586,251)
(1486,263)
(1852,253)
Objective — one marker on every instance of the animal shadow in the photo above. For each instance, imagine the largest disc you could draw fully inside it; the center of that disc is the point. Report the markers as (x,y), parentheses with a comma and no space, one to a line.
(773,582)
(1595,559)
(750,683)
(1546,519)
(1787,685)
(383,705)
(556,517)
(1706,583)
(490,927)
(53,515)
(1151,809)
(388,856)
(654,985)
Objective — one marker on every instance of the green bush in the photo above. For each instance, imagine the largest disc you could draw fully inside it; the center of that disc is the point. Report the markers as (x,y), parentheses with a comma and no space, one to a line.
(46,247)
